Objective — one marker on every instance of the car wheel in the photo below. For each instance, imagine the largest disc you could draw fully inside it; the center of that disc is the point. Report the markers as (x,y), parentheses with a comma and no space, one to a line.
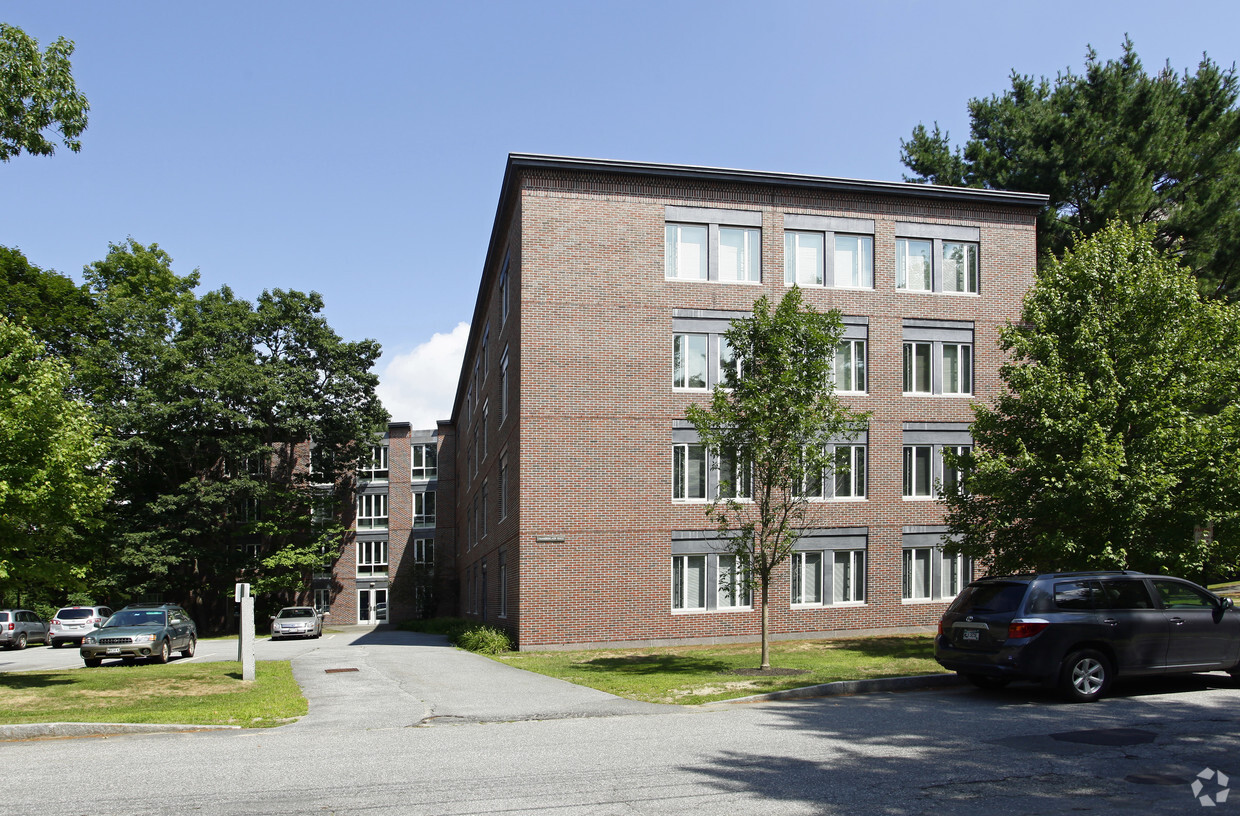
(188,651)
(165,651)
(1085,676)
(987,681)
(53,644)
(21,641)
(93,662)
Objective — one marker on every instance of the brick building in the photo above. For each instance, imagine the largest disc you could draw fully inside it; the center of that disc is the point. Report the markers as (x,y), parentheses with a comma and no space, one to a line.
(572,488)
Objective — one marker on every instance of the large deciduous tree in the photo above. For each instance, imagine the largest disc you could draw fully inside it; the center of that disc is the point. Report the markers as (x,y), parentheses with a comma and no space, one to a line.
(1115,443)
(57,311)
(214,400)
(37,93)
(1113,143)
(52,454)
(770,425)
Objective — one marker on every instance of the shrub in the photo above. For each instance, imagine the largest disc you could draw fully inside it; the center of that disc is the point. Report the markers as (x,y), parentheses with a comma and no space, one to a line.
(484,640)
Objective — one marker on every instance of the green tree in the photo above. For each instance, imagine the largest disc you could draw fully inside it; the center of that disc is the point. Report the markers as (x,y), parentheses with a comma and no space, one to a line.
(1114,444)
(37,92)
(52,484)
(1113,143)
(215,400)
(56,310)
(769,426)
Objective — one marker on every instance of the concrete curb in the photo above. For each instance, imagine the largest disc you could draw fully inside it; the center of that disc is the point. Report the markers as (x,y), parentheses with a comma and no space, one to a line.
(841,687)
(27,731)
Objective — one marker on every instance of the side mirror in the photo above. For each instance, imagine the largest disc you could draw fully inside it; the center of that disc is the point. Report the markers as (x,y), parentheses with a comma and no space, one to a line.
(1228,603)
(327,614)
(272,617)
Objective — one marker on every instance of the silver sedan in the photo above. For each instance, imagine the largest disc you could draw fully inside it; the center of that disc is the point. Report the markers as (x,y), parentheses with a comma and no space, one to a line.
(296,621)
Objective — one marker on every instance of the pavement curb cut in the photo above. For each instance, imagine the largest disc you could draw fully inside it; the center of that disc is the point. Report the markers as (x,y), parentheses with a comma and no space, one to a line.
(841,687)
(25,731)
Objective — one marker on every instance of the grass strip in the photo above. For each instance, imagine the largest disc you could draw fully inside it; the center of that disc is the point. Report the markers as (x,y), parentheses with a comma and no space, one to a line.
(688,675)
(192,694)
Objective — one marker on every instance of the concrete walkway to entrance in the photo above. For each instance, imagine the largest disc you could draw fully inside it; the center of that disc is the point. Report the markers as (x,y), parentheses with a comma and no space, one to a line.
(384,678)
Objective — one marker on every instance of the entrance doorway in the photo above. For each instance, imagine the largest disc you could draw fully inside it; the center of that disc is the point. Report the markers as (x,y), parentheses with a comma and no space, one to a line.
(372,606)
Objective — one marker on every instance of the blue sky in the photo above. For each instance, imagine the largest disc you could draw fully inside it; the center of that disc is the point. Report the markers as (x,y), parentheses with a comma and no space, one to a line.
(357,149)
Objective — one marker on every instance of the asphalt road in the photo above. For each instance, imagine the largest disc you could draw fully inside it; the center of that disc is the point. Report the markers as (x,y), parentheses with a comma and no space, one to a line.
(420,728)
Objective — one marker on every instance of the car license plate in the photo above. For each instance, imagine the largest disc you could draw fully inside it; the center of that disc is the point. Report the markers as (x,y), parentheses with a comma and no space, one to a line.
(971,634)
(114,650)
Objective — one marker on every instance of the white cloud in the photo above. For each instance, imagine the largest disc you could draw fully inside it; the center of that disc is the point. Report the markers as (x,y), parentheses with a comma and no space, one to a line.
(418,387)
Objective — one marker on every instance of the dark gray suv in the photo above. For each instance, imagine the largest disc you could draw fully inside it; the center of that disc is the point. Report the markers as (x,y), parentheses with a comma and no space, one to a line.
(1078,631)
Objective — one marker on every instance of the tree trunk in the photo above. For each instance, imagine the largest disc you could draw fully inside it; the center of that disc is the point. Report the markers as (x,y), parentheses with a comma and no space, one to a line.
(766,650)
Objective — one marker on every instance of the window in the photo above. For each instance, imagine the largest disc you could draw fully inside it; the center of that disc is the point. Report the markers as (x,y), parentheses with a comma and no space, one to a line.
(803,255)
(689,361)
(688,582)
(930,573)
(917,471)
(423,507)
(372,511)
(503,487)
(812,481)
(503,291)
(377,467)
(733,584)
(913,265)
(848,576)
(957,368)
(729,364)
(959,267)
(689,472)
(917,379)
(850,471)
(372,557)
(938,357)
(807,578)
(854,261)
(482,424)
(740,254)
(849,370)
(953,477)
(424,551)
(322,599)
(503,584)
(483,359)
(423,461)
(704,243)
(937,258)
(684,253)
(917,572)
(482,510)
(503,385)
(735,478)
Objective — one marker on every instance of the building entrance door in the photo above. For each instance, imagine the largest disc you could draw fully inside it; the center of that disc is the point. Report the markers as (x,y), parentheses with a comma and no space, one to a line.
(372,607)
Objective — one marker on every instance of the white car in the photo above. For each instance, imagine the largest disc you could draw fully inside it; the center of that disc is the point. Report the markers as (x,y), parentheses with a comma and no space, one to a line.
(72,623)
(296,621)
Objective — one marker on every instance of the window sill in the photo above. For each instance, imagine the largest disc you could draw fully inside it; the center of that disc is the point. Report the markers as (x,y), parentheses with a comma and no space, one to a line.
(919,498)
(709,280)
(921,601)
(690,501)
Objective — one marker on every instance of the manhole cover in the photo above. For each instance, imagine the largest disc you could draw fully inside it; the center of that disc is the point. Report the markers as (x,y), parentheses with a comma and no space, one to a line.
(337,671)
(1108,736)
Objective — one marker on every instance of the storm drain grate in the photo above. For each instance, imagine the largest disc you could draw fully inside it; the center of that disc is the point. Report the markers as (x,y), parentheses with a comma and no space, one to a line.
(337,671)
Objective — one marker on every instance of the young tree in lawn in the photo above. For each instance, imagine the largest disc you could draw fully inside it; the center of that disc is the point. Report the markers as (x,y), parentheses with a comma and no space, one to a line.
(37,92)
(1115,443)
(770,425)
(1112,143)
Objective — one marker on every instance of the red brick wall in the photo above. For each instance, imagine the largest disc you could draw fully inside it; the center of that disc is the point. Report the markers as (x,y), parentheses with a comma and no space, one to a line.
(590,346)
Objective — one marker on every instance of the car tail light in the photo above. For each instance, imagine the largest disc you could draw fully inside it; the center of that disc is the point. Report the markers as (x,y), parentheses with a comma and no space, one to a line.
(55,622)
(940,628)
(1026,628)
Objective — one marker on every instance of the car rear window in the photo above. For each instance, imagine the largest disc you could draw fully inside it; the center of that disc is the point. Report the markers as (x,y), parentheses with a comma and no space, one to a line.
(995,596)
(4,617)
(75,614)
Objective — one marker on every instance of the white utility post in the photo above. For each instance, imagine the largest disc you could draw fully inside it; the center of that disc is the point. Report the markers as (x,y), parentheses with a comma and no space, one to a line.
(245,638)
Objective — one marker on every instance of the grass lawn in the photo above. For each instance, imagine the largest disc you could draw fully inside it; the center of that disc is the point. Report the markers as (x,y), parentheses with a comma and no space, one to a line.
(687,675)
(192,694)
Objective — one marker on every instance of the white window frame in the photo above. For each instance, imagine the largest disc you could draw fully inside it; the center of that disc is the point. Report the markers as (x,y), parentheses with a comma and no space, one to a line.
(504,284)
(376,469)
(961,385)
(912,490)
(924,280)
(684,455)
(423,461)
(423,508)
(941,239)
(732,589)
(710,225)
(424,551)
(322,599)
(503,385)
(912,369)
(865,250)
(680,575)
(851,354)
(372,511)
(676,237)
(372,557)
(682,371)
(922,590)
(856,474)
(972,262)
(856,566)
(794,242)
(801,566)
(750,254)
